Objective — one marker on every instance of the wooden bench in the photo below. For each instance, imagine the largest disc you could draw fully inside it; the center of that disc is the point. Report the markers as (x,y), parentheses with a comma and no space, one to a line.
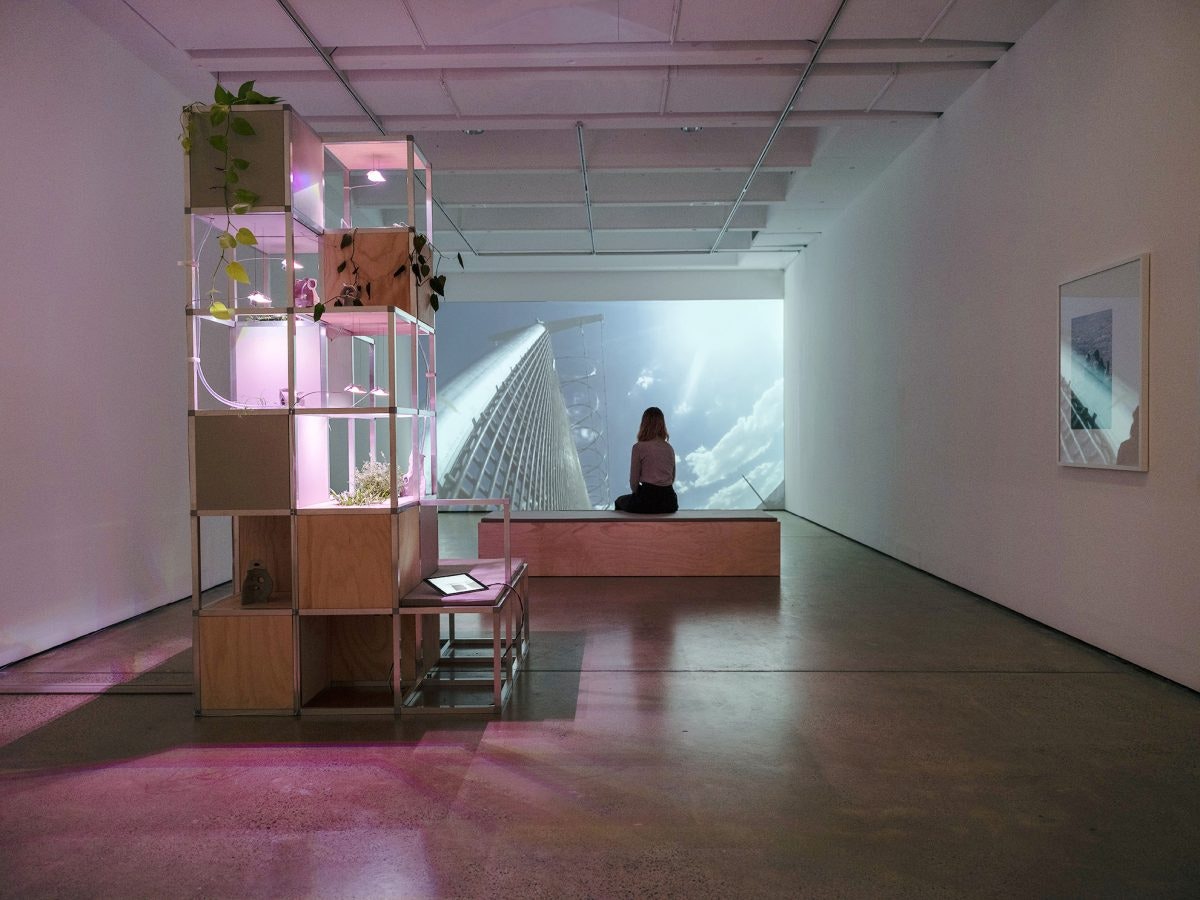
(606,542)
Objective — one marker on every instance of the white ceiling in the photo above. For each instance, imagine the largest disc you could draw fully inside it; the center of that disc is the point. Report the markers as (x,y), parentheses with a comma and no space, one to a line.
(633,72)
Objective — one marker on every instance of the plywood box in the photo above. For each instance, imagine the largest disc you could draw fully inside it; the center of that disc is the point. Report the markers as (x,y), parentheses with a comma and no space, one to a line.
(246,662)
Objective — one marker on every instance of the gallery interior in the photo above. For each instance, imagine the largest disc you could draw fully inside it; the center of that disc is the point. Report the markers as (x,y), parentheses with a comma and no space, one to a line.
(898,641)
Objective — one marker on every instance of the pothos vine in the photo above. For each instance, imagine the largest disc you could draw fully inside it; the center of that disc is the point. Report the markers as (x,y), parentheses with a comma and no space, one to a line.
(225,127)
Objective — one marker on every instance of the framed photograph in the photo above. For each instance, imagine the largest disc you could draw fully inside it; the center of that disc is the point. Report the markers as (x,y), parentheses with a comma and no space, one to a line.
(1103,327)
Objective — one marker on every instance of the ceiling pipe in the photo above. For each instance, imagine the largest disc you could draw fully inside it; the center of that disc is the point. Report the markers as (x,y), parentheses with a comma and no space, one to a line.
(808,67)
(367,111)
(587,197)
(338,73)
(937,21)
(886,86)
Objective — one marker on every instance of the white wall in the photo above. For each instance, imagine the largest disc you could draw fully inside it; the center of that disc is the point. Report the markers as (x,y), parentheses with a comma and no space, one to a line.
(94,523)
(922,337)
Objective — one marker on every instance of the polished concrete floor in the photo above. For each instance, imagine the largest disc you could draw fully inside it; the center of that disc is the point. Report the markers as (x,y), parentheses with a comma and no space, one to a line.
(852,729)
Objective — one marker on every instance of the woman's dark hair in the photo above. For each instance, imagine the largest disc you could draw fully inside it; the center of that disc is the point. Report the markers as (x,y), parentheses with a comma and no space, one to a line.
(654,425)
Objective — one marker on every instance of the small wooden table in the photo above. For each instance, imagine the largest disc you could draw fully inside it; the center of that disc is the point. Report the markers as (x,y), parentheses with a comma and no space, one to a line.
(464,675)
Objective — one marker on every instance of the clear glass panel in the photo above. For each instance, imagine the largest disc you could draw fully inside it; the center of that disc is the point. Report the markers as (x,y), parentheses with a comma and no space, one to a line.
(305,178)
(240,363)
(264,262)
(345,461)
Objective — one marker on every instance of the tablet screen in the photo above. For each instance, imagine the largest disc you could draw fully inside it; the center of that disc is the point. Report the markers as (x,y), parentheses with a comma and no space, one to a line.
(455,584)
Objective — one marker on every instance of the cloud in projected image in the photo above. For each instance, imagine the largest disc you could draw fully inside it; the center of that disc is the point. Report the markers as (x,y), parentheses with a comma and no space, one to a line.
(738,495)
(645,380)
(749,439)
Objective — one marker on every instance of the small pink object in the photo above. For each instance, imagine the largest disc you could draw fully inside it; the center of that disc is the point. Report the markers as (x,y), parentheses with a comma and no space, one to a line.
(304,292)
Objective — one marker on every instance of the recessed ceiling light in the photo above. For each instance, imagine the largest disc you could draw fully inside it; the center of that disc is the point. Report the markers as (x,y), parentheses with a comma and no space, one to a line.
(472,131)
(691,129)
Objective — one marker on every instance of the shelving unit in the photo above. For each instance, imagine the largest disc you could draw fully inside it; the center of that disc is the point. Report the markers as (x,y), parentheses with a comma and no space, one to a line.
(283,409)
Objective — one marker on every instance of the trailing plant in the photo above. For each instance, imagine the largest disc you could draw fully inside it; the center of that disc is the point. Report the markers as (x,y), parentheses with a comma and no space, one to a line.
(351,293)
(355,290)
(226,127)
(372,483)
(418,261)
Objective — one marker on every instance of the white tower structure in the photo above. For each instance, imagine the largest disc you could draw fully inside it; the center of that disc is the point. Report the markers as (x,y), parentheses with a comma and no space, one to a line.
(503,429)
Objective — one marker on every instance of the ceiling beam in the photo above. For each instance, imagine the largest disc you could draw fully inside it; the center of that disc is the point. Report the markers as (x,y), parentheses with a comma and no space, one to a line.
(595,56)
(349,125)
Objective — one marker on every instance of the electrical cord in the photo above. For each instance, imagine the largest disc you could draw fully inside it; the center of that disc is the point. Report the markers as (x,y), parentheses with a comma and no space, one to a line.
(520,599)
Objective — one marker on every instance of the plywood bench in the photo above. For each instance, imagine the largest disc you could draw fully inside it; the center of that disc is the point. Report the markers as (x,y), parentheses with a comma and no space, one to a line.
(606,542)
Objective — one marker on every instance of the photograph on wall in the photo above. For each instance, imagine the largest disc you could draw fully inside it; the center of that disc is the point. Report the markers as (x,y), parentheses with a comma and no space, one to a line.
(1103,320)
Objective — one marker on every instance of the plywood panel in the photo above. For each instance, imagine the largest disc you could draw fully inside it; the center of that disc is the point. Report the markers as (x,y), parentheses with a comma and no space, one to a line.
(410,550)
(644,547)
(360,648)
(314,656)
(246,662)
(378,253)
(268,541)
(346,561)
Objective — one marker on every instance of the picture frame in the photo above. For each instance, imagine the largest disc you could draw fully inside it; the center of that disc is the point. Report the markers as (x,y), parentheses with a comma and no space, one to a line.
(1103,368)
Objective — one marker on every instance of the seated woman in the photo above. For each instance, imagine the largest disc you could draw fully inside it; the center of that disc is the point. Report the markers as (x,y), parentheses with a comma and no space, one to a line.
(651,469)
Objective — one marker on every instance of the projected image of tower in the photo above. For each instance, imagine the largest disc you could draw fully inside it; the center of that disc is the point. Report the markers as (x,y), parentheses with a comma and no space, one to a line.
(503,429)
(579,360)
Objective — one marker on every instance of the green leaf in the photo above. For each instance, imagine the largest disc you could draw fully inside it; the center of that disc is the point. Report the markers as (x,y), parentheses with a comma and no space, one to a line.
(341,267)
(424,270)
(219,310)
(347,240)
(217,115)
(357,302)
(223,96)
(245,89)
(433,301)
(241,195)
(231,177)
(246,236)
(241,164)
(218,142)
(237,271)
(318,311)
(399,272)
(419,242)
(241,126)
(460,262)
(240,208)
(186,142)
(227,240)
(368,290)
(437,284)
(257,99)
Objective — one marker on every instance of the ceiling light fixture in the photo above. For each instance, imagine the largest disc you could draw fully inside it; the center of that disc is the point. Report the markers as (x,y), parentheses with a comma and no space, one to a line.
(472,131)
(691,129)
(375,176)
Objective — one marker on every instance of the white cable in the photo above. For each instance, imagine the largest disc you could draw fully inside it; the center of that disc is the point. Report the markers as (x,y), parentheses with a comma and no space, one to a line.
(195,361)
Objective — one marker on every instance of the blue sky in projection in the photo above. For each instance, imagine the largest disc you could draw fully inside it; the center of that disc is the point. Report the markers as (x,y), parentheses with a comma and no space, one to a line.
(715,369)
